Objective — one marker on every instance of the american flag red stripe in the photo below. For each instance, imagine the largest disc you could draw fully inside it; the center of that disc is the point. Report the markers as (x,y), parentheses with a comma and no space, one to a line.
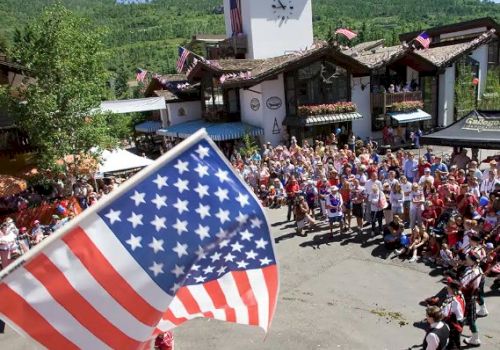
(236,20)
(424,40)
(239,296)
(181,62)
(349,34)
(97,265)
(83,282)
(94,285)
(16,310)
(141,75)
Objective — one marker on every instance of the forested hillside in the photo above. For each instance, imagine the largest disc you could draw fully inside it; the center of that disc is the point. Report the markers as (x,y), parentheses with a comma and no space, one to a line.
(147,35)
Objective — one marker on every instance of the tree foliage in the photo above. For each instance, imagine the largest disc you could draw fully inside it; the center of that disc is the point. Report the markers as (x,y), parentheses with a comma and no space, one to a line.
(65,54)
(147,35)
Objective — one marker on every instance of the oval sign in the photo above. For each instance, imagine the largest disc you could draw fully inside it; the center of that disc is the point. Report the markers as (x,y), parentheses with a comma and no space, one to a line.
(255,104)
(274,102)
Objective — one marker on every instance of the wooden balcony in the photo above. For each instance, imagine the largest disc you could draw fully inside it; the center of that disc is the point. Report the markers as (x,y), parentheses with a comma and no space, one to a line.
(233,47)
(383,101)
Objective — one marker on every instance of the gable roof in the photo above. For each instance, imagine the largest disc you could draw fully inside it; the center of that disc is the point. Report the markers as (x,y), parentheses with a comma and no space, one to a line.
(259,70)
(379,56)
(441,56)
(487,22)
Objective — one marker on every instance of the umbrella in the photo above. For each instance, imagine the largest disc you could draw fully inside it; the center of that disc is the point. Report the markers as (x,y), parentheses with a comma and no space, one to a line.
(10,185)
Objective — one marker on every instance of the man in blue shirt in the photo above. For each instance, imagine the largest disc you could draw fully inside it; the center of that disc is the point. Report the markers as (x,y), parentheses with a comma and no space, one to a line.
(410,167)
(437,164)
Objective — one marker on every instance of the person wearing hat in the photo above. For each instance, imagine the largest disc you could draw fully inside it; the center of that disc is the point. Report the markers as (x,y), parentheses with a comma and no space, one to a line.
(470,282)
(37,233)
(453,310)
(436,337)
(488,182)
(427,177)
(334,205)
(492,166)
(23,240)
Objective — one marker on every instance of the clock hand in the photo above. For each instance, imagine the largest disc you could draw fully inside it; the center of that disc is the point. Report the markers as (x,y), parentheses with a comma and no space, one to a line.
(281,4)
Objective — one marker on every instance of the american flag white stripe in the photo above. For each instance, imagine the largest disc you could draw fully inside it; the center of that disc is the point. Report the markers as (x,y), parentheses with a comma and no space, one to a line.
(179,310)
(346,32)
(31,290)
(204,301)
(84,283)
(123,263)
(258,283)
(233,297)
(182,59)
(236,20)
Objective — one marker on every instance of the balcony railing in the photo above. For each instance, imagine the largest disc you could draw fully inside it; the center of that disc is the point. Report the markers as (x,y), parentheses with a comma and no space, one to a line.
(386,100)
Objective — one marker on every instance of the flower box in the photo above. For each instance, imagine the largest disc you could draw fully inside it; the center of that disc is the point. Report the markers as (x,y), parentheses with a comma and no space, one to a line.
(407,106)
(332,108)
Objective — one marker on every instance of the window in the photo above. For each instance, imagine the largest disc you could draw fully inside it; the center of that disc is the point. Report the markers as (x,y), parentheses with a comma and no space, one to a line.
(494,54)
(219,105)
(318,83)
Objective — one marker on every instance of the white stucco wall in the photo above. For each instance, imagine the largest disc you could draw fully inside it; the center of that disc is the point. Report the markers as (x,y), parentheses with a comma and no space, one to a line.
(248,115)
(446,99)
(273,89)
(192,109)
(481,55)
(268,36)
(362,127)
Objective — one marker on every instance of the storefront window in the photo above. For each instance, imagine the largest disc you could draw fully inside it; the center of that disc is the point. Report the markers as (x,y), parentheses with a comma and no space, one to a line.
(318,83)
(217,103)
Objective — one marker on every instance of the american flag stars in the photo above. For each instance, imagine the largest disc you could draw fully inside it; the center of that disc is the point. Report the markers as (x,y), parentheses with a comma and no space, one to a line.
(192,222)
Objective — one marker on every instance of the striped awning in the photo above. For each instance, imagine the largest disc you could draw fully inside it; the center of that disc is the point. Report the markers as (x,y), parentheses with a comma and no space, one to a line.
(217,131)
(410,117)
(321,119)
(148,127)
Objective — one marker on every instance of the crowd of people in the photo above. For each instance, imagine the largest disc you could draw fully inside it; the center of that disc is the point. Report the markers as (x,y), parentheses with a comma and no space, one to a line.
(446,214)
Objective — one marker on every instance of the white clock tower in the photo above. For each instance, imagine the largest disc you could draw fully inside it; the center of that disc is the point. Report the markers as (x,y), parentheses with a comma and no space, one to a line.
(273,27)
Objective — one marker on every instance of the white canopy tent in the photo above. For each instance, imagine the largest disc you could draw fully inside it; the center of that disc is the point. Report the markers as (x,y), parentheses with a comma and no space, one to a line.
(120,160)
(134,105)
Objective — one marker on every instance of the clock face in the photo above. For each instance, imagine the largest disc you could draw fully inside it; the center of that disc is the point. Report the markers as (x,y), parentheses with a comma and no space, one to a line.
(282,9)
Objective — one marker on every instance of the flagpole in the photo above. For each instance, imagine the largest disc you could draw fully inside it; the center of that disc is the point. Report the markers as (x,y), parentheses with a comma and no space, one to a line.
(102,203)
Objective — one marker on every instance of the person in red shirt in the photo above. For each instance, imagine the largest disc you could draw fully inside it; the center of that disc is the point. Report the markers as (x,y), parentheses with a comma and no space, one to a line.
(451,231)
(164,341)
(291,188)
(428,215)
(422,165)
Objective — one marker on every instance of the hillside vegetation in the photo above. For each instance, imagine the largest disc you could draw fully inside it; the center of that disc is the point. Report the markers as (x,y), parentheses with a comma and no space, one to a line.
(147,35)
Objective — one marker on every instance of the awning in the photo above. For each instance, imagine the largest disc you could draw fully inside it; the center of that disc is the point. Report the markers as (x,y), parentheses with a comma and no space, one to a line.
(148,127)
(217,131)
(321,119)
(478,129)
(120,160)
(134,105)
(410,117)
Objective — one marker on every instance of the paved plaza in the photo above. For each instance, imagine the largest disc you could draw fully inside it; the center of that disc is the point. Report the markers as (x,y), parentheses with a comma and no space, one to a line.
(340,293)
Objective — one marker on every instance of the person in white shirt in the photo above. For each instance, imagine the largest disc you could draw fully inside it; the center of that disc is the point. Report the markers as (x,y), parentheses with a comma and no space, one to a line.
(488,183)
(453,310)
(426,177)
(397,198)
(376,200)
(438,333)
(417,205)
(8,234)
(493,166)
(406,187)
(334,205)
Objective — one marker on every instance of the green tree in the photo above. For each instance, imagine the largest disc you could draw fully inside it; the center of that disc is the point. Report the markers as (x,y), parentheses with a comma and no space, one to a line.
(121,83)
(64,54)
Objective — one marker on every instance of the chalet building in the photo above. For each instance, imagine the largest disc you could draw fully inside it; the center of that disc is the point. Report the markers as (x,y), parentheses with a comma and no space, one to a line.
(271,78)
(13,142)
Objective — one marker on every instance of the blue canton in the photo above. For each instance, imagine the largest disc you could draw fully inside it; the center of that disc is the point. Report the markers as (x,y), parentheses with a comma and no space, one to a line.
(191,222)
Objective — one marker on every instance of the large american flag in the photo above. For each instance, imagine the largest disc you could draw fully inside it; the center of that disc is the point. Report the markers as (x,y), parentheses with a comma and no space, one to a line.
(236,21)
(184,238)
(424,40)
(183,56)
(349,34)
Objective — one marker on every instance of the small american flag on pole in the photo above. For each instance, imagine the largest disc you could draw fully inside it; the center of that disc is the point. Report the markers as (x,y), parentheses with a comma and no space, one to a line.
(236,21)
(349,34)
(184,238)
(141,75)
(183,56)
(424,40)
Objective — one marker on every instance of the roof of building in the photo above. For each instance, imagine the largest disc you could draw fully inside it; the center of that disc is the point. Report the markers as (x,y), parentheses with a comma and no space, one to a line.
(487,22)
(209,38)
(166,78)
(378,56)
(441,56)
(259,70)
(367,45)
